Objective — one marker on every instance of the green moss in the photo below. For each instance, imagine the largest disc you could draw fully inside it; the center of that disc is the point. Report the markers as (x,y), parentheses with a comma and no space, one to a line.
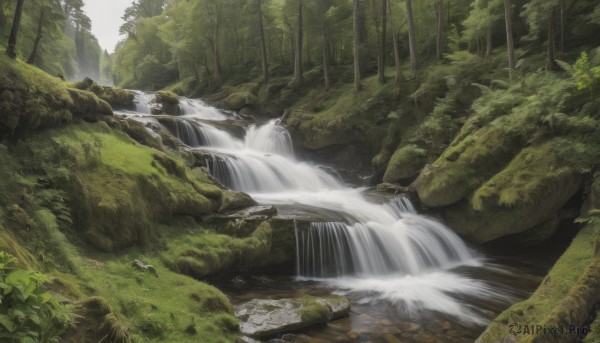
(207,253)
(447,184)
(116,97)
(566,279)
(167,97)
(313,311)
(406,163)
(238,100)
(522,181)
(349,117)
(118,189)
(159,309)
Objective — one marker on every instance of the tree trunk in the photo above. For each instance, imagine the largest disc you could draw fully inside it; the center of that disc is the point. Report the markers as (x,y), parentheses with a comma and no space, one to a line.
(356,34)
(397,61)
(489,43)
(439,46)
(263,48)
(562,25)
(412,39)
(509,39)
(325,52)
(38,38)
(298,55)
(11,48)
(382,50)
(550,62)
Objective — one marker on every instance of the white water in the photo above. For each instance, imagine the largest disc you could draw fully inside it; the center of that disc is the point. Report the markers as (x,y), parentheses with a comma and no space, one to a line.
(383,252)
(198,109)
(142,101)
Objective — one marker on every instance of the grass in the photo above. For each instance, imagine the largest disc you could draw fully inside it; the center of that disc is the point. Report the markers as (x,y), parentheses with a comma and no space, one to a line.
(168,307)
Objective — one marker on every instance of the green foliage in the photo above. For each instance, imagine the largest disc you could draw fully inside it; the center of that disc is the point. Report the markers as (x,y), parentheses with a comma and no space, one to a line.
(27,312)
(586,75)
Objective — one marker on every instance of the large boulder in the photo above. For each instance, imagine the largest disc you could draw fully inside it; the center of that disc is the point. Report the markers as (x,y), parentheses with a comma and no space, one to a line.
(238,100)
(406,163)
(236,200)
(528,192)
(261,318)
(165,103)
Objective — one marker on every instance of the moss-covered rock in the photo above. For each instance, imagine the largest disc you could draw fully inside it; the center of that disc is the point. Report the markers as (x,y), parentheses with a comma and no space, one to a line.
(406,163)
(236,200)
(528,192)
(118,189)
(349,118)
(566,296)
(88,106)
(238,100)
(209,253)
(118,98)
(261,318)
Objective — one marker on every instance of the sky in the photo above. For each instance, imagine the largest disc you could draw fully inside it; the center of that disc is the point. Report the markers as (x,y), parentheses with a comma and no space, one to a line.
(106,20)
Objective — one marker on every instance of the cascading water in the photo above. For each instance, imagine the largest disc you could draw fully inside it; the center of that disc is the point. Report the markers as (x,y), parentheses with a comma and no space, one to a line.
(192,108)
(142,102)
(388,251)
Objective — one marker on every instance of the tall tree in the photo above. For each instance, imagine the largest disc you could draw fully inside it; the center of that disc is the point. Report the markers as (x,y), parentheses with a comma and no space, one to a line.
(412,38)
(356,35)
(298,50)
(11,48)
(38,36)
(382,44)
(395,36)
(509,38)
(325,53)
(263,47)
(550,62)
(439,44)
(540,16)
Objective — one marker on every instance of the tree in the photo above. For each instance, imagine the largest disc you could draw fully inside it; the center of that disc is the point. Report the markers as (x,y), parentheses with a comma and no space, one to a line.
(395,36)
(412,38)
(540,16)
(356,39)
(38,37)
(509,38)
(382,44)
(263,48)
(298,50)
(439,44)
(11,48)
(481,21)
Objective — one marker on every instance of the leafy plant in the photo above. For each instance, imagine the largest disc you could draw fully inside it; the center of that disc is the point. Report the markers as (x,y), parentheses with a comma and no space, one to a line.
(27,312)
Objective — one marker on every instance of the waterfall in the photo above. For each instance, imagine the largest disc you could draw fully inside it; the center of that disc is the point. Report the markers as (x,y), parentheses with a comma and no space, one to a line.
(142,101)
(271,137)
(385,250)
(193,108)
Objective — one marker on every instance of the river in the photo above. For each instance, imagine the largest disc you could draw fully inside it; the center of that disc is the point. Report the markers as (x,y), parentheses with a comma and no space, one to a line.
(409,277)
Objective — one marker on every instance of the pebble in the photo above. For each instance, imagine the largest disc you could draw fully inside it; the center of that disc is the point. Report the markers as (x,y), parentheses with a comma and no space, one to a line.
(389,338)
(353,335)
(409,327)
(288,338)
(386,322)
(425,338)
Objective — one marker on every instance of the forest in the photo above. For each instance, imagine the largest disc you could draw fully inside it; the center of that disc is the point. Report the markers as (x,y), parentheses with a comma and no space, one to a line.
(419,171)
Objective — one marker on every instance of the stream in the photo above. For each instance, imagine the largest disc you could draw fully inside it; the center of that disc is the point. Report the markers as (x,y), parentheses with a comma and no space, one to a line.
(409,277)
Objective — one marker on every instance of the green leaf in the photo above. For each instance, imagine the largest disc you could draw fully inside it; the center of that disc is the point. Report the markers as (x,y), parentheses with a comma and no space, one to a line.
(7,323)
